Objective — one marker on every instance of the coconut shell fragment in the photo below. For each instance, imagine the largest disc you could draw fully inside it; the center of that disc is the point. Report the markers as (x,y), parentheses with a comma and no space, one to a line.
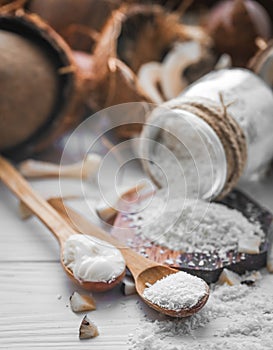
(107,80)
(75,20)
(262,64)
(34,111)
(88,329)
(148,32)
(80,303)
(235,25)
(134,35)
(11,5)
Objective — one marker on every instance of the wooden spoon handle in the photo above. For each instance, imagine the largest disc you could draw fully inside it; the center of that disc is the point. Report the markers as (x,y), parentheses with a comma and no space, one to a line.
(135,262)
(44,211)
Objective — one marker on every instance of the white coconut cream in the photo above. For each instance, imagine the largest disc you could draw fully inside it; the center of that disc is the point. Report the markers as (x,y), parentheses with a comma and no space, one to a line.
(92,260)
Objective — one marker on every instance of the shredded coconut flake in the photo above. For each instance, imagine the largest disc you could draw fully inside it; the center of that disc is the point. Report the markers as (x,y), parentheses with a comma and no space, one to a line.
(176,292)
(194,225)
(235,318)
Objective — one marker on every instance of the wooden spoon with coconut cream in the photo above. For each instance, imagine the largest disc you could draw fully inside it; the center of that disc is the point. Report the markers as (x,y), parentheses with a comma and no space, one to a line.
(106,275)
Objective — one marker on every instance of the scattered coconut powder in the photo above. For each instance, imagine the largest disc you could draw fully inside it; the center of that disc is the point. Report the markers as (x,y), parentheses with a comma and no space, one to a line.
(193,225)
(176,292)
(235,318)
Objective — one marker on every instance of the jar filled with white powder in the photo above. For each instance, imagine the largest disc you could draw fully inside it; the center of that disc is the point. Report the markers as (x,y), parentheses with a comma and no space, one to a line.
(218,131)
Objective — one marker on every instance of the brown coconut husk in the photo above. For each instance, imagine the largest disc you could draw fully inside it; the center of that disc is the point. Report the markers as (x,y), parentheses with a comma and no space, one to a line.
(170,5)
(11,5)
(110,81)
(262,63)
(149,32)
(235,25)
(132,36)
(74,20)
(28,125)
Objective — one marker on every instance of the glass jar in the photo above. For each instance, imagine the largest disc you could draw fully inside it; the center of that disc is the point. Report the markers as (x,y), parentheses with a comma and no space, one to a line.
(195,150)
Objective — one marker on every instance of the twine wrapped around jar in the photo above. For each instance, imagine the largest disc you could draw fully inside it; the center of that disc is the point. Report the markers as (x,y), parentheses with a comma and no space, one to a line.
(227,129)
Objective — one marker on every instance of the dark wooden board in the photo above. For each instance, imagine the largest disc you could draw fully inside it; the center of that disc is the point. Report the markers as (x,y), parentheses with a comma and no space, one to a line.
(211,264)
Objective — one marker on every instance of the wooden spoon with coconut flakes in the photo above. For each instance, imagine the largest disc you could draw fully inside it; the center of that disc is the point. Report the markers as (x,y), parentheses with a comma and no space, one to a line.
(53,221)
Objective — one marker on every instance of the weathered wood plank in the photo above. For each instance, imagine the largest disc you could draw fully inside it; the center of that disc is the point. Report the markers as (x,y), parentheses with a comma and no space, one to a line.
(35,311)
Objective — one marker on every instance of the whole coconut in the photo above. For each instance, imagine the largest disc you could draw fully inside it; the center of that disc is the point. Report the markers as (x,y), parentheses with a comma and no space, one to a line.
(40,85)
(235,25)
(28,95)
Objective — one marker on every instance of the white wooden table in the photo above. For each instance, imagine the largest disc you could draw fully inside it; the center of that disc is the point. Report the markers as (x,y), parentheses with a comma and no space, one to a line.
(34,291)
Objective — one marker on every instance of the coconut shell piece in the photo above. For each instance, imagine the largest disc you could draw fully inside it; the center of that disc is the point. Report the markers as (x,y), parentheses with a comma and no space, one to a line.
(235,25)
(262,64)
(108,80)
(40,85)
(32,168)
(134,35)
(75,20)
(88,329)
(11,5)
(80,303)
(128,286)
(229,277)
(148,32)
